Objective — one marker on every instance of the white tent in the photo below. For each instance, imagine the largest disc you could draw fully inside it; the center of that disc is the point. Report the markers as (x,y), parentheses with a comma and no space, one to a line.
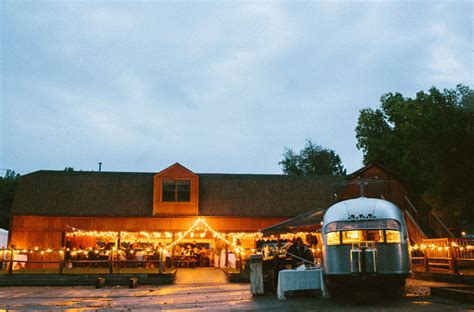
(3,238)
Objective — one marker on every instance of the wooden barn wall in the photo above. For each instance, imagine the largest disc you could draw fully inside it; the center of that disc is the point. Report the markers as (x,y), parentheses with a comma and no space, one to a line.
(393,190)
(176,172)
(42,231)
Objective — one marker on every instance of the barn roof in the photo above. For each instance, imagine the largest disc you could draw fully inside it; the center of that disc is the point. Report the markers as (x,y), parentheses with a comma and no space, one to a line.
(264,195)
(81,193)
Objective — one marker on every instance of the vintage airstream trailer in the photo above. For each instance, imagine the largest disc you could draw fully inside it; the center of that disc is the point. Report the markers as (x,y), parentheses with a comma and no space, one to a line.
(365,239)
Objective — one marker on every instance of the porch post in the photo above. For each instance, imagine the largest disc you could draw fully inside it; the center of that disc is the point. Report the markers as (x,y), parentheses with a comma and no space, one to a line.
(452,258)
(119,239)
(12,254)
(61,253)
(226,253)
(239,245)
(111,269)
(119,242)
(426,260)
(172,250)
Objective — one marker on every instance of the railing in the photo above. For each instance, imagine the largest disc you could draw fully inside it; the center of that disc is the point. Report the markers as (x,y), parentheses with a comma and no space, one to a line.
(55,262)
(450,253)
(414,231)
(413,210)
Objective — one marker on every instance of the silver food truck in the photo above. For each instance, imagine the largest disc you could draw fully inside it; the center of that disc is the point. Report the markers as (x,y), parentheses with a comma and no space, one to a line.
(365,240)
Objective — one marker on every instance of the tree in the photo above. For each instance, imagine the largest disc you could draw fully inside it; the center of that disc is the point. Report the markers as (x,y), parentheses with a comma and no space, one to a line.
(8,186)
(313,159)
(429,142)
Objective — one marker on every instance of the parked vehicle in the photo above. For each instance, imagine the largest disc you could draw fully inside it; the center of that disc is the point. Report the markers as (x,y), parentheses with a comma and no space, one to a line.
(365,240)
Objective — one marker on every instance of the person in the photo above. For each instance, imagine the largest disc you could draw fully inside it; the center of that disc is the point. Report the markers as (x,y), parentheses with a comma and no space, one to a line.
(301,251)
(204,257)
(288,244)
(189,251)
(167,256)
(196,254)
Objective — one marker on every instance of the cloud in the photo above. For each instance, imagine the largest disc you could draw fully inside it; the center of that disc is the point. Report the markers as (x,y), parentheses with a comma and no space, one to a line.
(447,59)
(220,87)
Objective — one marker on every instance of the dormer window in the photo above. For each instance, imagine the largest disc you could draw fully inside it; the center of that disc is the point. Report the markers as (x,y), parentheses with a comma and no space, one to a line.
(176,190)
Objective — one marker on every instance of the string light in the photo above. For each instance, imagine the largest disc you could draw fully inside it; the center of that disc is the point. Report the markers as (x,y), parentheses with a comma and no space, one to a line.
(200,228)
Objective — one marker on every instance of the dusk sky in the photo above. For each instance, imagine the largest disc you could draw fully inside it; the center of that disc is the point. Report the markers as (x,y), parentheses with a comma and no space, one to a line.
(217,86)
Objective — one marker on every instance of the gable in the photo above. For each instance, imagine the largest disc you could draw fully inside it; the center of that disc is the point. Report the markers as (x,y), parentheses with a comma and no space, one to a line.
(163,205)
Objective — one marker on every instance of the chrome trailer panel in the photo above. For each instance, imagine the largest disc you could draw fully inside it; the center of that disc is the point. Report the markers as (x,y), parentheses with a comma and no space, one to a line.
(391,259)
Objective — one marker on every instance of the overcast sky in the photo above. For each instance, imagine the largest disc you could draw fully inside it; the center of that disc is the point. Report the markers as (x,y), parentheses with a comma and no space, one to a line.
(217,86)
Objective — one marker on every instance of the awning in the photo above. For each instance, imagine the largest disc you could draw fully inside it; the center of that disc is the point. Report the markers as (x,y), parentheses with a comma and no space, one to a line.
(307,222)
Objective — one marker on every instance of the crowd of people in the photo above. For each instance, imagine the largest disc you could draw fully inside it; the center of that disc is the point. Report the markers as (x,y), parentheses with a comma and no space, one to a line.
(181,255)
(193,255)
(136,255)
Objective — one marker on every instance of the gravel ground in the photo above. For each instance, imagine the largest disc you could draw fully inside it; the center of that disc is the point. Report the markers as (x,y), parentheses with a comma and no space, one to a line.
(214,296)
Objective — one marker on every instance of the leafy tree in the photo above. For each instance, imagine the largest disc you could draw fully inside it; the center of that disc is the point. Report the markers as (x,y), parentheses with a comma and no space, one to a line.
(313,159)
(8,185)
(68,169)
(429,142)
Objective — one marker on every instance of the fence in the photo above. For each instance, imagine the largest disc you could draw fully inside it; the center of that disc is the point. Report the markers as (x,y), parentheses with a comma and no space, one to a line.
(77,262)
(448,253)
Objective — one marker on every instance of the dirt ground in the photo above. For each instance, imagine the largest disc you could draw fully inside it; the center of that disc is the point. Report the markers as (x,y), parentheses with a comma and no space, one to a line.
(208,290)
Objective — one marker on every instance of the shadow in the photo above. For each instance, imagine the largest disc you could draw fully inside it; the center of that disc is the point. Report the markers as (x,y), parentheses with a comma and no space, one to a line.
(367,294)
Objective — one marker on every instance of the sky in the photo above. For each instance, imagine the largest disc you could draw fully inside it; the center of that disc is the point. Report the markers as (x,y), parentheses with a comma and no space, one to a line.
(217,86)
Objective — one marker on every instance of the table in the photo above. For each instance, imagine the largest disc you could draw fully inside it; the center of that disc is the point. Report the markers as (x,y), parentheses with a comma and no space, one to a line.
(186,260)
(290,280)
(232,260)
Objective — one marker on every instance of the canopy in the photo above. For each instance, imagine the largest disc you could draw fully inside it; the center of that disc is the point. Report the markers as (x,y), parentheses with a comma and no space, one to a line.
(307,222)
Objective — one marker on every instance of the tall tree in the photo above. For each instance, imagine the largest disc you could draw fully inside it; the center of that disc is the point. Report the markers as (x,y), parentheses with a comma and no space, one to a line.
(428,141)
(313,159)
(8,186)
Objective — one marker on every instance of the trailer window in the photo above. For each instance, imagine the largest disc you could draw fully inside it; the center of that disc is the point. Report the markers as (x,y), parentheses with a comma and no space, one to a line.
(362,225)
(393,236)
(349,237)
(333,238)
(374,236)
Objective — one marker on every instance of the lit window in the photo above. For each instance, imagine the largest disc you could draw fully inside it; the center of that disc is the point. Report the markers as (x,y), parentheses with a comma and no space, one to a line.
(333,238)
(176,190)
(374,236)
(393,236)
(351,237)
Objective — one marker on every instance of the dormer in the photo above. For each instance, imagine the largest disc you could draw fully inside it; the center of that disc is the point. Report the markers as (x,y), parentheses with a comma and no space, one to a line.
(176,192)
